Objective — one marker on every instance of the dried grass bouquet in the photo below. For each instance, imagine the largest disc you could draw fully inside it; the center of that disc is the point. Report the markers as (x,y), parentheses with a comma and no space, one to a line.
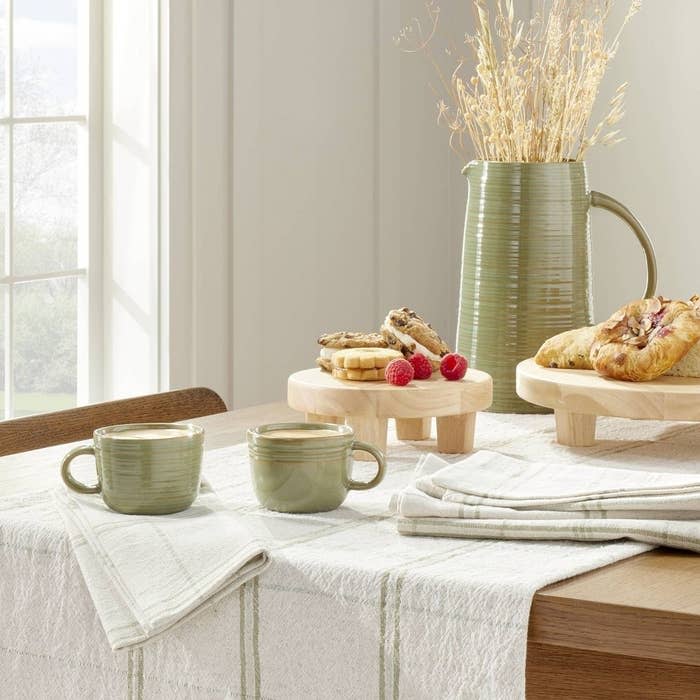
(532,95)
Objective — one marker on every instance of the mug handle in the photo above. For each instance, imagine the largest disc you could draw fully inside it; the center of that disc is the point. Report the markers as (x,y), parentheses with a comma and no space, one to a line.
(69,480)
(604,201)
(381,466)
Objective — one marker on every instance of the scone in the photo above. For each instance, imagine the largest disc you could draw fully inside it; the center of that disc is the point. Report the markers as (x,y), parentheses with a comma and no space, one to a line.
(404,330)
(568,350)
(687,366)
(362,364)
(332,342)
(646,338)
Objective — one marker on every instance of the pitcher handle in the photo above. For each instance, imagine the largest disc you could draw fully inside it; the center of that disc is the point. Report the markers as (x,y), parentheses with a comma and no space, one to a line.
(604,201)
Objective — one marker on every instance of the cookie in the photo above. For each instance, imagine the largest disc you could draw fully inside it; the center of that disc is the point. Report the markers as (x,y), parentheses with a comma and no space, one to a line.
(646,338)
(363,358)
(351,339)
(359,375)
(342,340)
(324,364)
(404,330)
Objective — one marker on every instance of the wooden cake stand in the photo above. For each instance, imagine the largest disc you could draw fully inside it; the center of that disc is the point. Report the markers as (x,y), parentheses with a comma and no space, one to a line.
(579,396)
(367,406)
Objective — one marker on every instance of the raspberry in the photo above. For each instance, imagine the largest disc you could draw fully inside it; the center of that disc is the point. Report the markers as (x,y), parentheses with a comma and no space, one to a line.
(399,372)
(422,368)
(453,366)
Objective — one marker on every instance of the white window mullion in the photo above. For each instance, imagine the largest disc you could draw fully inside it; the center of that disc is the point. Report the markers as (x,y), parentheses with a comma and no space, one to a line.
(9,223)
(42,276)
(57,119)
(9,384)
(90,387)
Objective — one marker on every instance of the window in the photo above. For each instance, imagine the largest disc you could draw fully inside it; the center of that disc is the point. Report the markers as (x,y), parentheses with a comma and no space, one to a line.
(46,200)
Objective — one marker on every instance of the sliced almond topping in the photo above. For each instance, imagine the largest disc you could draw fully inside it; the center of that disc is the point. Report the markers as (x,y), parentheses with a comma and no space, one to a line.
(654,305)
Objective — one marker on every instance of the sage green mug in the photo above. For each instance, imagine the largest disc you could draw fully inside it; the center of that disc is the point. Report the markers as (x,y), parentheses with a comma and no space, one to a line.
(306,467)
(143,468)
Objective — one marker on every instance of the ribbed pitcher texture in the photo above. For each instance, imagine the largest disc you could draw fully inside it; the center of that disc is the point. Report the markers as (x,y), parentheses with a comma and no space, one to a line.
(526,267)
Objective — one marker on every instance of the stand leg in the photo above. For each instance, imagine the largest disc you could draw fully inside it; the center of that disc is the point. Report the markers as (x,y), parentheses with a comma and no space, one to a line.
(413,428)
(368,429)
(320,418)
(455,434)
(575,429)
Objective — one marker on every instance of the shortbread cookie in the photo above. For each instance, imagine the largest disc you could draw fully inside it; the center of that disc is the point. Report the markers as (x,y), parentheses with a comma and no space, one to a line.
(646,338)
(404,330)
(363,358)
(359,375)
(332,342)
(568,350)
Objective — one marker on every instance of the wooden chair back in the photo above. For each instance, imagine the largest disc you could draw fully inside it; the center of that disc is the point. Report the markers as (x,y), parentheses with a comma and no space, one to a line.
(46,429)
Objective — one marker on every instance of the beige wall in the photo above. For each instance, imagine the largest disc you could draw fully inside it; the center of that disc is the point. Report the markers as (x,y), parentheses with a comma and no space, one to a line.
(656,171)
(347,202)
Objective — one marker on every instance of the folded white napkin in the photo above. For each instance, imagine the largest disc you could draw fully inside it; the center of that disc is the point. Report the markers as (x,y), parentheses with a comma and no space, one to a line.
(145,573)
(495,496)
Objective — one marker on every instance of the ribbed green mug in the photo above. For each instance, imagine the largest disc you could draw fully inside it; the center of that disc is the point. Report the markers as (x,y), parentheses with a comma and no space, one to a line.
(306,467)
(526,264)
(143,468)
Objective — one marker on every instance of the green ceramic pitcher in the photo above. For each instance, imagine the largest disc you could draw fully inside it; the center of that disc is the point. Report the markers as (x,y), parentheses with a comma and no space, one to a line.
(526,265)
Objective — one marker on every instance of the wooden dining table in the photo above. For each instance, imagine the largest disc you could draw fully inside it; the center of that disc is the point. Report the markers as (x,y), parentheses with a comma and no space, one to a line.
(628,630)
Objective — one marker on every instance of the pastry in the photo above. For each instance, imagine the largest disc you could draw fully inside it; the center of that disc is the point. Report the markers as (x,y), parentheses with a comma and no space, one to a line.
(362,364)
(404,330)
(646,338)
(332,342)
(568,350)
(689,365)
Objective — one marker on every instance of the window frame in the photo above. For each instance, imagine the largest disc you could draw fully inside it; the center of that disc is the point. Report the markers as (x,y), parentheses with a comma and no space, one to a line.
(88,272)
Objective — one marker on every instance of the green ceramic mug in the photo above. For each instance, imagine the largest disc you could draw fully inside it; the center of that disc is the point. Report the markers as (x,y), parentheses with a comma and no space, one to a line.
(306,467)
(143,468)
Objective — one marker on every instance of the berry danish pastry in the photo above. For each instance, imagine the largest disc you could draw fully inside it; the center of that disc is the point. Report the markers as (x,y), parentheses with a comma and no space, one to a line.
(644,339)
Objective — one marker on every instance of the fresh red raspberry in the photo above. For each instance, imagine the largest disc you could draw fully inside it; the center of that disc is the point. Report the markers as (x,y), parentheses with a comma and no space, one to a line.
(453,366)
(399,372)
(422,368)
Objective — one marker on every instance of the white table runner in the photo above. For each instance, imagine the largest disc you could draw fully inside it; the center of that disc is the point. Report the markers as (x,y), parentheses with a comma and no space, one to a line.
(348,608)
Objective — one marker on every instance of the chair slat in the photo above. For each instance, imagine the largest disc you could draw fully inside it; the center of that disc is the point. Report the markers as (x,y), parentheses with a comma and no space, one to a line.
(46,429)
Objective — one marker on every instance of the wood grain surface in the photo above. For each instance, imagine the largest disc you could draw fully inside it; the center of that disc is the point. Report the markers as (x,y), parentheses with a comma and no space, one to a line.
(315,391)
(561,673)
(43,430)
(586,392)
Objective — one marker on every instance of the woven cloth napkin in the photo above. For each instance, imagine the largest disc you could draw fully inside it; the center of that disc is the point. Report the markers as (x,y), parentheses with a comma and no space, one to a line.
(490,495)
(146,574)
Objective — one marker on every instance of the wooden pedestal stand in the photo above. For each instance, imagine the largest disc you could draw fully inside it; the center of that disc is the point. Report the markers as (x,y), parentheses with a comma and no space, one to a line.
(367,406)
(579,396)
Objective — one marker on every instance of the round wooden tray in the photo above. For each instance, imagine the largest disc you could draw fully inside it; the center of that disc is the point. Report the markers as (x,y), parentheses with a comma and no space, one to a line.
(367,406)
(578,396)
